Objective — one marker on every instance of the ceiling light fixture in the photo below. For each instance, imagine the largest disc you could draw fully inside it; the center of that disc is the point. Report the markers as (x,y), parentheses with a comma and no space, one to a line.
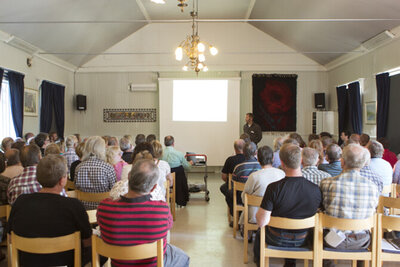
(182,4)
(193,48)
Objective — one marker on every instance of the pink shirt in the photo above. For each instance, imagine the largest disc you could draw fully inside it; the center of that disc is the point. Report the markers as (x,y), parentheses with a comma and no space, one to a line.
(118,169)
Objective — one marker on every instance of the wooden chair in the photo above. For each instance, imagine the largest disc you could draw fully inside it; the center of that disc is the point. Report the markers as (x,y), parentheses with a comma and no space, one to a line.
(267,251)
(387,190)
(69,185)
(91,197)
(173,197)
(92,214)
(46,245)
(71,193)
(5,212)
(237,186)
(386,222)
(249,200)
(167,193)
(138,252)
(229,188)
(388,202)
(367,255)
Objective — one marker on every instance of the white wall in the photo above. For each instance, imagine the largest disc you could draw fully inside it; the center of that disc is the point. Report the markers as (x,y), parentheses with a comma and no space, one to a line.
(366,66)
(14,59)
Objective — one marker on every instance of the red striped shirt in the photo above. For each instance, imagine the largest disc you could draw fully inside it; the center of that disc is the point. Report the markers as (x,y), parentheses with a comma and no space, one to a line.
(134,221)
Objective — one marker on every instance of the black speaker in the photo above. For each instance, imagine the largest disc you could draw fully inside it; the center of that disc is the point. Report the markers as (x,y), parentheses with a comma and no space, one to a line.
(80,102)
(319,100)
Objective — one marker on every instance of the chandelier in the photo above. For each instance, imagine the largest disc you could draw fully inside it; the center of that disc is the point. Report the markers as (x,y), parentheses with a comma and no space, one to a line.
(194,48)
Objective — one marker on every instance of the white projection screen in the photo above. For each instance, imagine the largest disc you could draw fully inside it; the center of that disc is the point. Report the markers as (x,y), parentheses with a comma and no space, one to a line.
(202,115)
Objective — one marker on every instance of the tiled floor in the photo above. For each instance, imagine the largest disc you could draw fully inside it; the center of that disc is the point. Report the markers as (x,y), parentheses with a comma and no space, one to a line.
(202,231)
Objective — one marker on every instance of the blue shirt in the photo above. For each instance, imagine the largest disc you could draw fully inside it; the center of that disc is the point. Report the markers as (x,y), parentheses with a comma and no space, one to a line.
(382,168)
(175,158)
(333,168)
(243,170)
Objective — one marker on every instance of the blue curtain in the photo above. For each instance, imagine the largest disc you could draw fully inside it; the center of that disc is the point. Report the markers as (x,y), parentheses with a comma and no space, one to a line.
(52,98)
(355,107)
(383,95)
(16,81)
(1,77)
(342,97)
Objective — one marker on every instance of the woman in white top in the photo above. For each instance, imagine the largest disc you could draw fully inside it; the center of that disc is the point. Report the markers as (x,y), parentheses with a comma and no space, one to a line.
(163,166)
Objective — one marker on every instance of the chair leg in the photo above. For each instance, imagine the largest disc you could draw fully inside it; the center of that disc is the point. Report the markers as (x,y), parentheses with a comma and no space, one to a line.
(366,263)
(266,262)
(354,263)
(246,244)
(305,263)
(235,222)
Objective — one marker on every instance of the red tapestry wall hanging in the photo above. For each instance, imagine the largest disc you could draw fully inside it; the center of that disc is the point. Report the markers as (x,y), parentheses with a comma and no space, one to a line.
(274,102)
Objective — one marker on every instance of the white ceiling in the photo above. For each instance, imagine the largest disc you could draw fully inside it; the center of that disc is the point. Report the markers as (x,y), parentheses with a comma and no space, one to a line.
(92,32)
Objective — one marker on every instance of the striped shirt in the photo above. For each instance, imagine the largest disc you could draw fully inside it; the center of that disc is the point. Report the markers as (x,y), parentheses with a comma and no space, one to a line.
(243,170)
(134,221)
(314,175)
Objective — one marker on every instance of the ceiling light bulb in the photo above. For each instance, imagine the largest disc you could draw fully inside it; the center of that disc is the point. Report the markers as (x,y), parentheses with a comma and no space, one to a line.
(185,68)
(201,47)
(200,65)
(205,69)
(213,50)
(202,58)
(158,1)
(179,53)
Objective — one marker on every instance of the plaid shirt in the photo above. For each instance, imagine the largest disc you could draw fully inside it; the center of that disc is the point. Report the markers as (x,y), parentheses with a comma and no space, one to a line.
(25,183)
(96,176)
(372,176)
(70,156)
(349,196)
(314,175)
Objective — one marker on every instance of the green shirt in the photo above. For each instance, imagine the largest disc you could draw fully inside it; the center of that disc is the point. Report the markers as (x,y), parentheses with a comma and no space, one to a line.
(175,158)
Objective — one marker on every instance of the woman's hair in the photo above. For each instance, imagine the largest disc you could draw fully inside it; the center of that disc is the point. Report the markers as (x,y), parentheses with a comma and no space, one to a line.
(79,149)
(142,147)
(142,155)
(52,149)
(94,146)
(111,151)
(158,149)
(317,145)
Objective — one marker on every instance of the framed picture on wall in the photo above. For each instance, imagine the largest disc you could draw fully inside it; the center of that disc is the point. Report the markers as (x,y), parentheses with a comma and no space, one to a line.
(370,112)
(31,97)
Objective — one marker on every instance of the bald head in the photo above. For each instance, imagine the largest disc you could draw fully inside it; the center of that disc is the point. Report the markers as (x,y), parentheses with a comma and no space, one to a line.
(238,145)
(354,157)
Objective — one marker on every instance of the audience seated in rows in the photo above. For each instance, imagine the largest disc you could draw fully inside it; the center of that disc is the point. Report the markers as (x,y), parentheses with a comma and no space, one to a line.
(309,160)
(47,214)
(290,197)
(350,196)
(126,146)
(378,165)
(178,164)
(113,156)
(70,155)
(93,174)
(139,219)
(333,155)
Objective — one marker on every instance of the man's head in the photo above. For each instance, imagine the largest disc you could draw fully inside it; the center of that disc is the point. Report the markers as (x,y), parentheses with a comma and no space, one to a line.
(52,149)
(249,150)
(354,157)
(169,140)
(326,141)
(245,137)
(376,149)
(42,140)
(354,139)
(238,145)
(291,141)
(364,139)
(71,141)
(53,136)
(298,138)
(290,156)
(150,138)
(28,136)
(6,143)
(125,144)
(278,142)
(333,153)
(322,134)
(143,176)
(265,155)
(249,118)
(312,137)
(345,135)
(140,138)
(12,156)
(51,170)
(31,155)
(309,157)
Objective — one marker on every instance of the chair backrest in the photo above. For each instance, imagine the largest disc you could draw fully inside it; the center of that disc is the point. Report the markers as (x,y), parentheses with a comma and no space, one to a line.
(46,245)
(5,211)
(71,193)
(138,252)
(91,197)
(69,185)
(292,224)
(396,189)
(230,181)
(166,186)
(92,214)
(327,221)
(238,186)
(250,200)
(388,202)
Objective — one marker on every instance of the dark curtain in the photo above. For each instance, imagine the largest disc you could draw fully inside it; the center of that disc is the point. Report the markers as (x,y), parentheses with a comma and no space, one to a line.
(52,98)
(341,92)
(16,81)
(383,96)
(1,77)
(355,107)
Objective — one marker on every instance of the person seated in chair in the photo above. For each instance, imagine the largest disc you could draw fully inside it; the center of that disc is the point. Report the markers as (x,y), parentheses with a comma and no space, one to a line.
(47,214)
(291,197)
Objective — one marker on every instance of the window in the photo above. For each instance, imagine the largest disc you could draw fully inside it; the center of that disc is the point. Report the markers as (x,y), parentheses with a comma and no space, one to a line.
(6,121)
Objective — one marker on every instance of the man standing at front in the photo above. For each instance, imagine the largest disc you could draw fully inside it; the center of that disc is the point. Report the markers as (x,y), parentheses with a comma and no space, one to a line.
(138,219)
(292,197)
(252,129)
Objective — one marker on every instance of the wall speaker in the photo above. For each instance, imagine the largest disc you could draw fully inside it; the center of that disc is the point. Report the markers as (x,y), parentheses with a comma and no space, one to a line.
(319,100)
(80,102)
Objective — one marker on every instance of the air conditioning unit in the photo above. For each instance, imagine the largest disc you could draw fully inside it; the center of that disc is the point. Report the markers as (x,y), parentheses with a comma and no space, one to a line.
(149,87)
(378,40)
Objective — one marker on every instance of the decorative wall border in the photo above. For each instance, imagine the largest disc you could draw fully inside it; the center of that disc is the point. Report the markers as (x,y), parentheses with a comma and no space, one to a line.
(129,115)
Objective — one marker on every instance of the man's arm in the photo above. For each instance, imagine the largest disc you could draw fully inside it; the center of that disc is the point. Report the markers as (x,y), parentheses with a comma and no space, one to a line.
(224,177)
(257,134)
(263,216)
